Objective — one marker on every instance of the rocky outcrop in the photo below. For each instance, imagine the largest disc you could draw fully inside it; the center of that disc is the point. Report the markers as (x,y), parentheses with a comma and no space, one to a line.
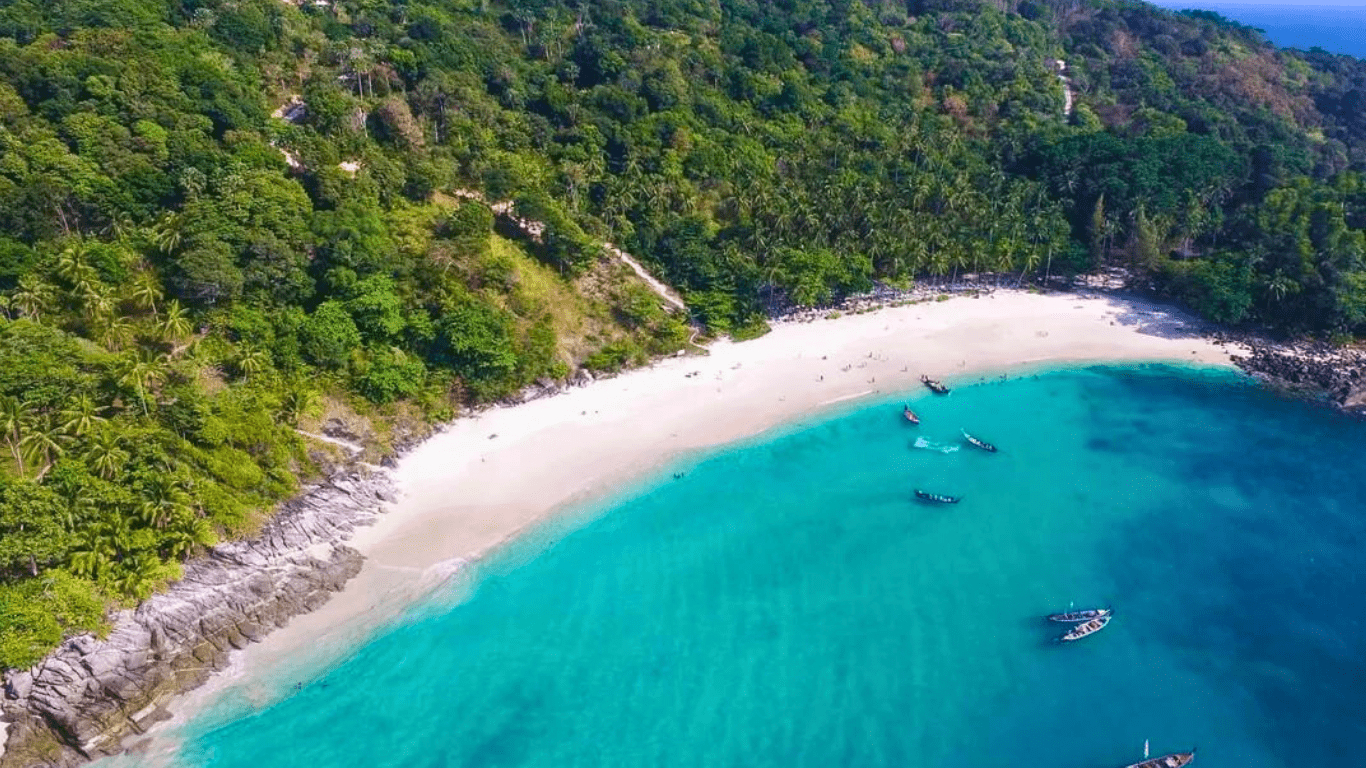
(1339,373)
(89,694)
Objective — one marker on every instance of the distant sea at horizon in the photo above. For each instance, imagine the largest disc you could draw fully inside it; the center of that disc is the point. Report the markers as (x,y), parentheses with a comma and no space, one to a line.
(786,603)
(1334,28)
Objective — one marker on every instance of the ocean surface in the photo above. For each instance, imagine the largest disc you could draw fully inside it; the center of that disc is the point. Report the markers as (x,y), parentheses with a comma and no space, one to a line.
(786,603)
(1337,28)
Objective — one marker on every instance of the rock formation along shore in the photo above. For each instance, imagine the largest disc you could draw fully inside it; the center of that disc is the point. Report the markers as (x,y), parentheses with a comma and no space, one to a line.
(91,694)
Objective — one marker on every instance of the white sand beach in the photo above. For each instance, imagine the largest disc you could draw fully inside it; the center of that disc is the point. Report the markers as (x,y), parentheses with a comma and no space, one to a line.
(485,478)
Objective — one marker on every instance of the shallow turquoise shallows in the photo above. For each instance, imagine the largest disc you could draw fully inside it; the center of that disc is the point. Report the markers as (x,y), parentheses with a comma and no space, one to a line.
(786,602)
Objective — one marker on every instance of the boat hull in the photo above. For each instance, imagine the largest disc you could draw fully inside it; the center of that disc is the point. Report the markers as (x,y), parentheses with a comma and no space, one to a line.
(1085,630)
(1174,760)
(934,386)
(936,498)
(1076,617)
(983,445)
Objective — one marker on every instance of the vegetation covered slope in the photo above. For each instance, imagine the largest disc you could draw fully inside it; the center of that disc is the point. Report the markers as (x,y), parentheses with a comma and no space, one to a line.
(218,217)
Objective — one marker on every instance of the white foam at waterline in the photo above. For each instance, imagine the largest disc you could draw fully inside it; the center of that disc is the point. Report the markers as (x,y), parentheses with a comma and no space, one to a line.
(930,445)
(441,572)
(845,397)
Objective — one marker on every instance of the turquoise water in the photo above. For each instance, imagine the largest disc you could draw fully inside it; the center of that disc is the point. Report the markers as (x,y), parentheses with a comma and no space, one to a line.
(785,603)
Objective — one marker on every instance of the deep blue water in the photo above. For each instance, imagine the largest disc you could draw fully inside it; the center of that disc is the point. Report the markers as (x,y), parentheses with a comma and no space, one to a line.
(787,604)
(1339,28)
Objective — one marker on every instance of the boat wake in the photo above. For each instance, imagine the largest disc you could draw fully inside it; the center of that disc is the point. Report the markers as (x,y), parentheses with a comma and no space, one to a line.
(930,445)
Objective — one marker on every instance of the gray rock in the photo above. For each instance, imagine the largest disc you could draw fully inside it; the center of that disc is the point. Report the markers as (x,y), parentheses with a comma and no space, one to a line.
(18,684)
(338,429)
(80,702)
(1337,374)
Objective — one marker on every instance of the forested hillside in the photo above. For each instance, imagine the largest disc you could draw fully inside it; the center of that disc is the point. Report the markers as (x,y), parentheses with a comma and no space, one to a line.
(221,220)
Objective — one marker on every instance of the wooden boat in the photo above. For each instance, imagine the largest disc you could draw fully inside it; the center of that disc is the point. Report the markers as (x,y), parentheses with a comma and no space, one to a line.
(937,498)
(910,414)
(1076,617)
(1087,628)
(1174,760)
(979,443)
(936,387)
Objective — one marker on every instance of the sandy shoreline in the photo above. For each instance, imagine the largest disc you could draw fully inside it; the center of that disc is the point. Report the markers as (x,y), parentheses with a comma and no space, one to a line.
(485,478)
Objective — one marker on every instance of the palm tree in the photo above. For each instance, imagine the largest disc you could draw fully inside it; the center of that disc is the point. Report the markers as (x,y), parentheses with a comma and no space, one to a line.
(15,417)
(187,534)
(296,402)
(141,372)
(80,507)
(1280,285)
(73,260)
(166,502)
(1031,262)
(252,361)
(32,297)
(103,546)
(168,233)
(105,454)
(44,442)
(114,332)
(81,417)
(176,325)
(96,303)
(90,560)
(120,226)
(939,263)
(145,291)
(141,574)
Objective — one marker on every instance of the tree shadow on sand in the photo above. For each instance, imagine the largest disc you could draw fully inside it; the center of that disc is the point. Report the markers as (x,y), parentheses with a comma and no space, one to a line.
(1153,319)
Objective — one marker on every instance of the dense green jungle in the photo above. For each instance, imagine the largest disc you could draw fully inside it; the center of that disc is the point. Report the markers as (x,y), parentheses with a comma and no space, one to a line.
(226,222)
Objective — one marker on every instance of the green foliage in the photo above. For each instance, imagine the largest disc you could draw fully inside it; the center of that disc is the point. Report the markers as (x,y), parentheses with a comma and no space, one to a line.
(377,309)
(476,341)
(389,375)
(1217,288)
(614,356)
(207,274)
(16,260)
(329,335)
(37,613)
(561,240)
(814,277)
(32,533)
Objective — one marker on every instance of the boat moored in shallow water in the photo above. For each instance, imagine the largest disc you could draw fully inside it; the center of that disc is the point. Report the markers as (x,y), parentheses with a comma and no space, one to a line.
(1085,629)
(937,498)
(1076,617)
(910,414)
(935,385)
(1174,760)
(979,443)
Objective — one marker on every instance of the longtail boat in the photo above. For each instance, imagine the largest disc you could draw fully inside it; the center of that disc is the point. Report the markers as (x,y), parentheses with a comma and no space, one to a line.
(1174,760)
(979,443)
(1082,630)
(937,498)
(910,414)
(1076,617)
(935,386)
